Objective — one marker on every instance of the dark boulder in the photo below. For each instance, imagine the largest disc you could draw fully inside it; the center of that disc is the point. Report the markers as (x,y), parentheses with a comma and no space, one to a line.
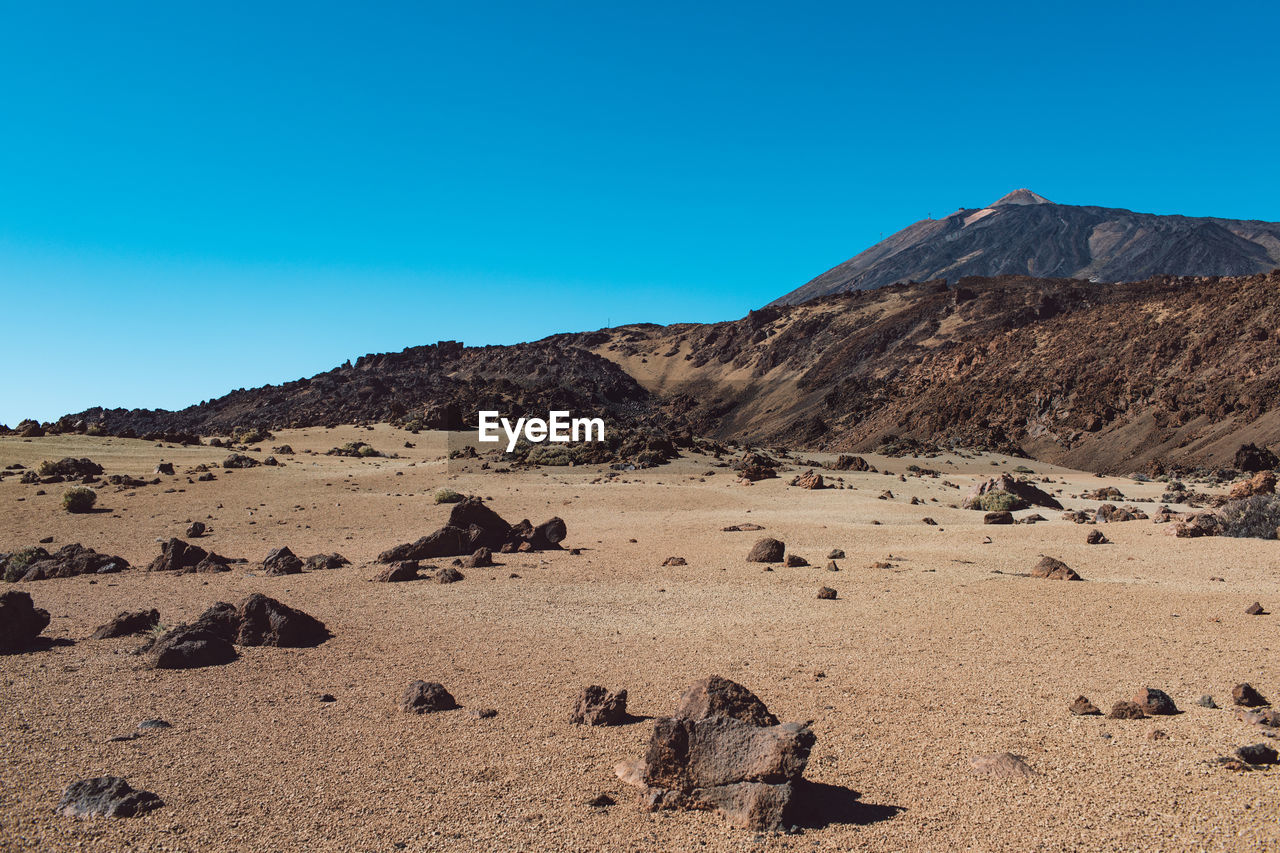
(264,621)
(189,647)
(597,706)
(1154,702)
(128,623)
(239,460)
(1246,696)
(1251,458)
(326,561)
(281,561)
(404,570)
(106,796)
(423,697)
(1054,569)
(20,621)
(767,550)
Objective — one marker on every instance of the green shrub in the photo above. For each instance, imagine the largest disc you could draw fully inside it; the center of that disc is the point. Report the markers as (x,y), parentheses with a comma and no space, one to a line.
(997,501)
(1255,517)
(353,448)
(79,499)
(16,565)
(448,496)
(1023,469)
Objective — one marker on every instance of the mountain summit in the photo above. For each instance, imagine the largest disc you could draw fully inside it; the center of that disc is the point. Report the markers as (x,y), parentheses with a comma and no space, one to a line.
(1022,196)
(1026,234)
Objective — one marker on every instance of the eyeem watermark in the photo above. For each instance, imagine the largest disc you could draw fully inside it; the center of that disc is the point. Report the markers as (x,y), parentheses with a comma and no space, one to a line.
(558,427)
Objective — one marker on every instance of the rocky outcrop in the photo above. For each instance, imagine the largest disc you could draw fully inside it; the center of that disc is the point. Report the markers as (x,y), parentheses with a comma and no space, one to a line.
(68,561)
(473,525)
(179,556)
(1021,494)
(255,621)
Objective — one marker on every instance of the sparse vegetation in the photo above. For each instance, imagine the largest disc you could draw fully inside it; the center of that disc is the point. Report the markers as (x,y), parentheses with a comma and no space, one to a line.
(448,496)
(1254,517)
(79,499)
(16,564)
(997,501)
(357,449)
(249,435)
(1023,469)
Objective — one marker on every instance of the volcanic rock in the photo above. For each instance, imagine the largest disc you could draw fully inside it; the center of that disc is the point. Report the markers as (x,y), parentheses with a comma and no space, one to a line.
(189,647)
(1024,494)
(164,468)
(853,463)
(127,623)
(749,771)
(675,561)
(106,796)
(1096,537)
(239,460)
(404,570)
(1155,702)
(1250,458)
(449,575)
(20,621)
(1126,711)
(998,517)
(597,706)
(1082,707)
(69,561)
(1255,609)
(1262,483)
(263,621)
(826,592)
(196,530)
(281,561)
(70,467)
(808,480)
(179,556)
(424,697)
(1054,569)
(795,561)
(766,550)
(318,562)
(1258,753)
(835,554)
(1246,696)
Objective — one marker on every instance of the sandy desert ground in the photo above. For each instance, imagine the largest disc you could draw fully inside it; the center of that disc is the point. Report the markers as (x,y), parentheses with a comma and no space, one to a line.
(927,664)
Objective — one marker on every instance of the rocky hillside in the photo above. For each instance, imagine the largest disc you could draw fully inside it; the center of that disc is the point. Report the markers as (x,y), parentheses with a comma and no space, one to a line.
(1110,378)
(1026,234)
(1106,378)
(436,386)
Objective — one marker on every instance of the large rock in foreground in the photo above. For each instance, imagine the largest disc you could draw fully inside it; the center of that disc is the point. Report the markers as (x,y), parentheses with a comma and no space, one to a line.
(723,750)
(20,621)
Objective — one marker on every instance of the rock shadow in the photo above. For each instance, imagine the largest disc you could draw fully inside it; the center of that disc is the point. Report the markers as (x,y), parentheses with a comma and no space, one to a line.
(818,805)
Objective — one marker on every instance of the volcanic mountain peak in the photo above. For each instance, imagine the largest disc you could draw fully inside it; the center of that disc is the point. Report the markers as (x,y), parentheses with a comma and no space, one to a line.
(1026,234)
(1022,196)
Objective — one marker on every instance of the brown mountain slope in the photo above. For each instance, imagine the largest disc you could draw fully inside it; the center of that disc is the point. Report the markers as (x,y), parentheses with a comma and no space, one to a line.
(1104,378)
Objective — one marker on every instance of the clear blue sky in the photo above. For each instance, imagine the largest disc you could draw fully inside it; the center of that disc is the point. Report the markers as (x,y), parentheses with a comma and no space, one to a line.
(199,197)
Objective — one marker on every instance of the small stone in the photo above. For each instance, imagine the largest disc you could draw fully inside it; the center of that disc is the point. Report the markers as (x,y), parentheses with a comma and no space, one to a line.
(826,592)
(1082,707)
(795,561)
(398,572)
(999,517)
(424,697)
(1206,701)
(196,530)
(602,801)
(1004,765)
(449,575)
(1157,734)
(1126,711)
(154,723)
(1054,569)
(675,561)
(1255,609)
(1096,537)
(482,713)
(836,554)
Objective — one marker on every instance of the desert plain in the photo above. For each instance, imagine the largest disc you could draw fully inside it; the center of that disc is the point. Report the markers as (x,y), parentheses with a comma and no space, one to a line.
(937,649)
